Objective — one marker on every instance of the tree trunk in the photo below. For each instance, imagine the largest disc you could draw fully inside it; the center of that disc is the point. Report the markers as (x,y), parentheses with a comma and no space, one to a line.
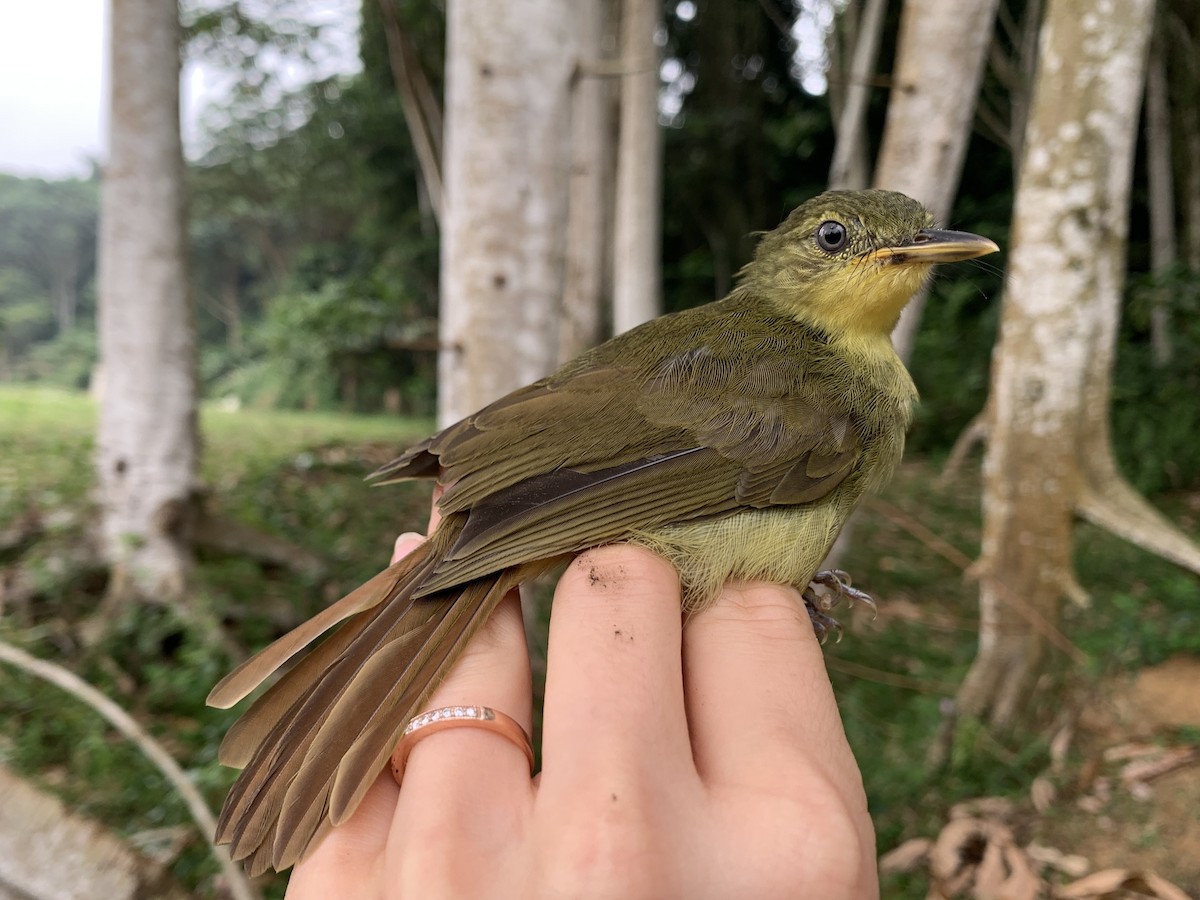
(849,169)
(147,441)
(506,164)
(48,852)
(637,237)
(1060,307)
(935,84)
(590,188)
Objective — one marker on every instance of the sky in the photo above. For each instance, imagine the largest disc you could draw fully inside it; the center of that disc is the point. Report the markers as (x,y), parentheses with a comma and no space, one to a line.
(51,66)
(53,82)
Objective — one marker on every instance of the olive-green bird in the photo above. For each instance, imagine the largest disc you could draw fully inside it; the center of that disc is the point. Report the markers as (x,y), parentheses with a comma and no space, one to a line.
(734,439)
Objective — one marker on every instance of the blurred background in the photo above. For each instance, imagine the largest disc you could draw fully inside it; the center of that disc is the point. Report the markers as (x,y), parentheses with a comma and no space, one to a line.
(250,250)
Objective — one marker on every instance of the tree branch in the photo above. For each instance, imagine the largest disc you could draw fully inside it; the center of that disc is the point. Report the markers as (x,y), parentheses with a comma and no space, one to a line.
(420,107)
(239,884)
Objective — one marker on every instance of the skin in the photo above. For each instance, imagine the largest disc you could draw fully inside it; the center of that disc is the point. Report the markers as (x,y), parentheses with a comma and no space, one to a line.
(663,759)
(733,440)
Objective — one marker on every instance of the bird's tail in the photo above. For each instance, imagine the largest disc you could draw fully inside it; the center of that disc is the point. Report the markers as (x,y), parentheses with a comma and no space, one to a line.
(317,739)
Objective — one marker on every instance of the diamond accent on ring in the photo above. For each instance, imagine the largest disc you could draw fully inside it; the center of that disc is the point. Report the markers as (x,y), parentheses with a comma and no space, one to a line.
(450,712)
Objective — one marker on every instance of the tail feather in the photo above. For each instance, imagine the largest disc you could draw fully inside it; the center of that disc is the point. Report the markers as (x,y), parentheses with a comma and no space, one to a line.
(377,740)
(256,800)
(245,735)
(410,570)
(316,740)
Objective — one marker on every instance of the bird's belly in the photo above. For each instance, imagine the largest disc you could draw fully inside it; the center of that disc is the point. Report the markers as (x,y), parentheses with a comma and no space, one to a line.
(784,545)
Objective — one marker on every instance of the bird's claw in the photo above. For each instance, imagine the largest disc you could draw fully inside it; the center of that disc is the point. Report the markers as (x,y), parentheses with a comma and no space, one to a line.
(837,588)
(822,624)
(827,589)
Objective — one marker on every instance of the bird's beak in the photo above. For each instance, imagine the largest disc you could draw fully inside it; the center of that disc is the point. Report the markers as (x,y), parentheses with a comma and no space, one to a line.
(934,246)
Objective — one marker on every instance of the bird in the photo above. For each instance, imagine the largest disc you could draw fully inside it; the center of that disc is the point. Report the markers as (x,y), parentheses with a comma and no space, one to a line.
(734,439)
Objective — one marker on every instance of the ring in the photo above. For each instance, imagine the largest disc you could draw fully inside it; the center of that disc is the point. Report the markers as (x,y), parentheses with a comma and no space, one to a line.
(454,717)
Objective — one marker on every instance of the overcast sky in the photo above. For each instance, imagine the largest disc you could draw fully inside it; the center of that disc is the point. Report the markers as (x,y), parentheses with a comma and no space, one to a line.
(50,86)
(52,82)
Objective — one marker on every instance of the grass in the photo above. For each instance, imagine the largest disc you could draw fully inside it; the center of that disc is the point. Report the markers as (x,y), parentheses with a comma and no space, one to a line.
(300,476)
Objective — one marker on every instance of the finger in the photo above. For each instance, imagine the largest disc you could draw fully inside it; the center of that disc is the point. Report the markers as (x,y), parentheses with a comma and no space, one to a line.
(356,846)
(466,784)
(614,682)
(406,544)
(758,697)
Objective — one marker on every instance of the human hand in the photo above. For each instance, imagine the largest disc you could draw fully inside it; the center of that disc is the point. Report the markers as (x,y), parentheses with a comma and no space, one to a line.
(704,760)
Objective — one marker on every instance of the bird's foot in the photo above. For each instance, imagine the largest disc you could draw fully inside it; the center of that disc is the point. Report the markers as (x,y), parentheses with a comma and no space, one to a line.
(827,589)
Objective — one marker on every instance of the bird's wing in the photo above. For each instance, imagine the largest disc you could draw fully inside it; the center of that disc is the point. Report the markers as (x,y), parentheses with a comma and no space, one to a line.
(586,458)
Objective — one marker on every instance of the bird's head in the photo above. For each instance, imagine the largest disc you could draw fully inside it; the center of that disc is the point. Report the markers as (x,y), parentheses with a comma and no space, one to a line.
(849,261)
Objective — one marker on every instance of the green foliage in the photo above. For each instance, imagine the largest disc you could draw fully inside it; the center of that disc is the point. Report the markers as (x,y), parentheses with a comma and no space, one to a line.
(299,475)
(747,146)
(1154,420)
(67,361)
(325,346)
(47,263)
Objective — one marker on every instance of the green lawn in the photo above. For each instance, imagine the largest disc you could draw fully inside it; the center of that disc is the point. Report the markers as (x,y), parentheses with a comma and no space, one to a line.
(300,476)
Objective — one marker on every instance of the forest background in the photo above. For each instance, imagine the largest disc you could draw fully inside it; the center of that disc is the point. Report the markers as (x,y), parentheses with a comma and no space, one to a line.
(313,252)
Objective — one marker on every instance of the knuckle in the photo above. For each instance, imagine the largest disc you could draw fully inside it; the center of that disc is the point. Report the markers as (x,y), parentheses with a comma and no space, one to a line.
(615,846)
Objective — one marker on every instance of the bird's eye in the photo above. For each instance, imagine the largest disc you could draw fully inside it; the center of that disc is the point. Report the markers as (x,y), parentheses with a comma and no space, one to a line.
(831,236)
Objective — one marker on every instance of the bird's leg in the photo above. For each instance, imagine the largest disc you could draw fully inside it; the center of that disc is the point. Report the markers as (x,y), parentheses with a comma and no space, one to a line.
(826,590)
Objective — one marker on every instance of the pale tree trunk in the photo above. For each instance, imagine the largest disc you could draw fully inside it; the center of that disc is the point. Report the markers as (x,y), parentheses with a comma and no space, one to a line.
(147,440)
(637,282)
(849,169)
(935,84)
(842,42)
(1049,450)
(590,186)
(1015,73)
(509,69)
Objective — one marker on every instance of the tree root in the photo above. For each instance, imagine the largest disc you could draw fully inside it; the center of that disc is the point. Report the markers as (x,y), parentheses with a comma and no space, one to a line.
(976,432)
(226,535)
(1115,506)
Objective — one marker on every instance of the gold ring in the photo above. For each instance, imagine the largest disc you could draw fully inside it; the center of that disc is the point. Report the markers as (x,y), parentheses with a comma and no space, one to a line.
(458,717)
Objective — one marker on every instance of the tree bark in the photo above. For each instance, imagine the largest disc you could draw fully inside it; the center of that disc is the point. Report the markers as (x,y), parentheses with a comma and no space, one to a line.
(506,164)
(589,202)
(48,852)
(849,169)
(637,230)
(1060,311)
(147,439)
(935,84)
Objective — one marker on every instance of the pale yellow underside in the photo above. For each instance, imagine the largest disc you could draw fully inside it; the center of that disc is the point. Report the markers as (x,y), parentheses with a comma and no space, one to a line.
(783,545)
